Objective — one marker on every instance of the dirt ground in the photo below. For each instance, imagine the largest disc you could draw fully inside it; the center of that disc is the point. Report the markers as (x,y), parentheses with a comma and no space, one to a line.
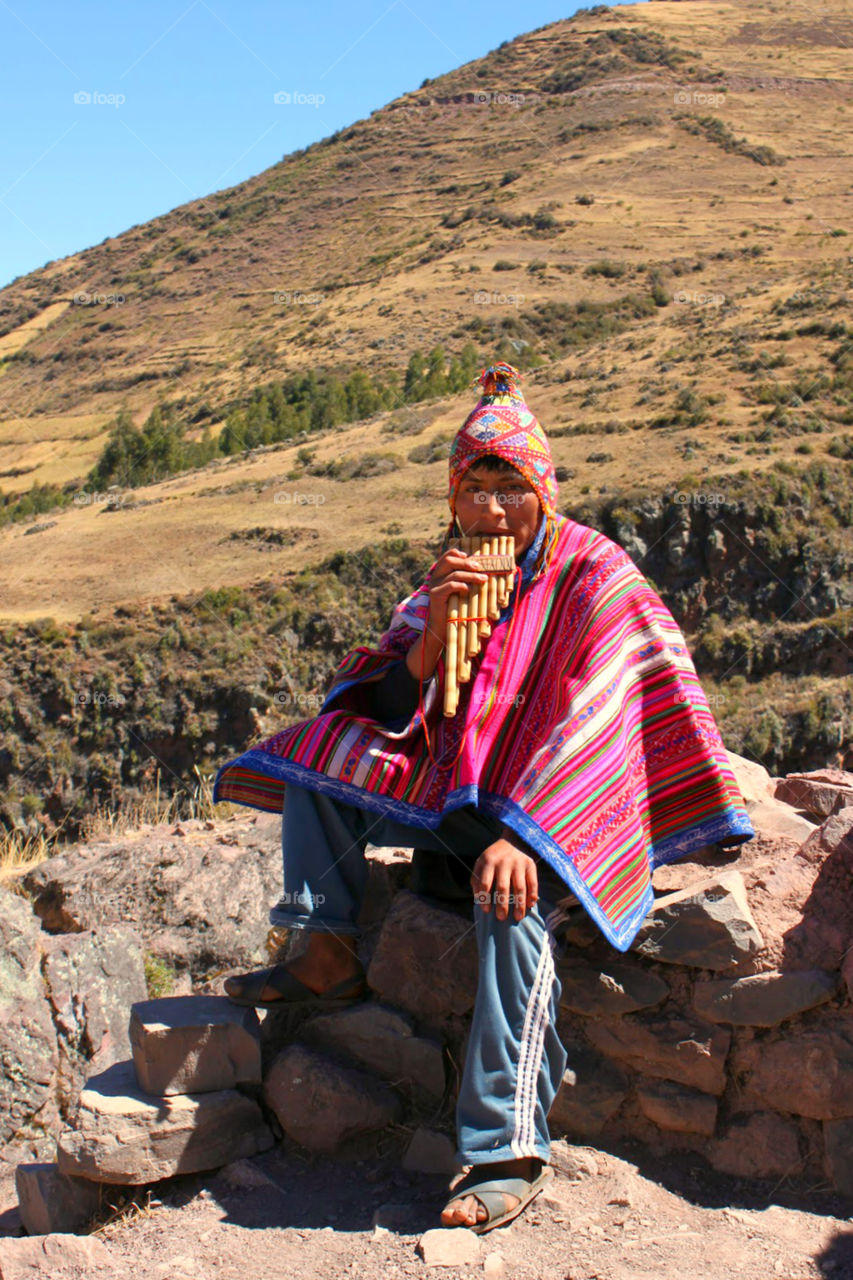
(289,1216)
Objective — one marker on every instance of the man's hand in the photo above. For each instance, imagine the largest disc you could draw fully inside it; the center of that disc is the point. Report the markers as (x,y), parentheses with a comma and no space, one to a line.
(510,875)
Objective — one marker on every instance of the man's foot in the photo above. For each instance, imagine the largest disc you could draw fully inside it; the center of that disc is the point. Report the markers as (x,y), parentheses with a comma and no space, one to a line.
(466,1210)
(327,961)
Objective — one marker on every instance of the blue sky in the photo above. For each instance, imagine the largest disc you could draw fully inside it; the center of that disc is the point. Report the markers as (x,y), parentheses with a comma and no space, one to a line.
(181,97)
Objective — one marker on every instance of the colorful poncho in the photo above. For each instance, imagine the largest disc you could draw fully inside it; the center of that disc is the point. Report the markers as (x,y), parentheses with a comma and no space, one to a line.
(583,728)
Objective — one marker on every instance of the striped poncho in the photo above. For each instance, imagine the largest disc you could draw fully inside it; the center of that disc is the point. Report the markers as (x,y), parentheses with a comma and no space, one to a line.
(583,728)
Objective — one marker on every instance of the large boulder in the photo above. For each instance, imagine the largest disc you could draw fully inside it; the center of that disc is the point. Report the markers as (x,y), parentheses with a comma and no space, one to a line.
(609,990)
(125,1136)
(821,792)
(809,1073)
(676,1108)
(50,1201)
(671,1048)
(425,961)
(824,933)
(198,897)
(764,999)
(28,1050)
(321,1104)
(592,1090)
(758,1145)
(194,1044)
(91,980)
(708,925)
(381,1040)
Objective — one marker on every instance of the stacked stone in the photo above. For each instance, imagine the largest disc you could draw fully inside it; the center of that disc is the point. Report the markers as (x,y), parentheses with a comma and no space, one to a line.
(697,1040)
(181,1105)
(194,1097)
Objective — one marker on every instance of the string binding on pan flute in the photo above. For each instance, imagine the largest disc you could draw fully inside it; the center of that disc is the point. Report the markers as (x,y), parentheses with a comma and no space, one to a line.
(470,617)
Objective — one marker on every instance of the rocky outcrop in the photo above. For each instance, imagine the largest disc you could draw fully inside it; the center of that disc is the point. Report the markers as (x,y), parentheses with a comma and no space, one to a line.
(28,1049)
(199,894)
(63,1013)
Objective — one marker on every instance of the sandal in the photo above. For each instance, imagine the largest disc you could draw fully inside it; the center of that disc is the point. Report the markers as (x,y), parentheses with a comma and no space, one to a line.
(295,992)
(491,1196)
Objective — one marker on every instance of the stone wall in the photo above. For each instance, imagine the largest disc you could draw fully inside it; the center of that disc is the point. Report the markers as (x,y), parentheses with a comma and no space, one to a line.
(726,1030)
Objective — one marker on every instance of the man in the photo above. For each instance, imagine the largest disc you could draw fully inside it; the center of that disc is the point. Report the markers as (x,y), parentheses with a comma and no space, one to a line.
(582,754)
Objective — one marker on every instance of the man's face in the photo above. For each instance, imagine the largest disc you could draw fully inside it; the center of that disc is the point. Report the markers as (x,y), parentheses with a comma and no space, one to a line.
(490,502)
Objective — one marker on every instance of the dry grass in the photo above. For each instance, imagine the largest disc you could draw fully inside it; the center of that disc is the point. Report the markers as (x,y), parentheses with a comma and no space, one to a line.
(155,807)
(20,852)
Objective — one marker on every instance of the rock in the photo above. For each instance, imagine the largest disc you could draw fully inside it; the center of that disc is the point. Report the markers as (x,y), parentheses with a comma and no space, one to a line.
(494,1265)
(752,778)
(51,1202)
(763,999)
(126,1136)
(425,960)
(821,792)
(760,1145)
(244,1173)
(430,1152)
(28,1049)
(321,1104)
(192,899)
(675,1107)
(194,1044)
(92,979)
(449,1247)
(608,991)
(709,925)
(826,929)
(838,1136)
(393,1217)
(775,818)
(54,1256)
(383,1041)
(574,1163)
(808,1074)
(558,1196)
(591,1091)
(671,1048)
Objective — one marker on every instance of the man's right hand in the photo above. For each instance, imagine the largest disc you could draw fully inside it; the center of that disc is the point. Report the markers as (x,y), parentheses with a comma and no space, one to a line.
(452,573)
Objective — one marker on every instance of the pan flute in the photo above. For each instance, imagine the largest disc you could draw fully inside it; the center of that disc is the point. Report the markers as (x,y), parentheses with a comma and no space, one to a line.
(470,617)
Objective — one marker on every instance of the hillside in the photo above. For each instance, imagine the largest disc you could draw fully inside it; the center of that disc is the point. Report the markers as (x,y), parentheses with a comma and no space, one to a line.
(643,207)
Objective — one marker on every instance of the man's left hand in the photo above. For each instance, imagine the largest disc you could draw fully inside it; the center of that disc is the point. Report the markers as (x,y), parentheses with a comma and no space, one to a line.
(508,875)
